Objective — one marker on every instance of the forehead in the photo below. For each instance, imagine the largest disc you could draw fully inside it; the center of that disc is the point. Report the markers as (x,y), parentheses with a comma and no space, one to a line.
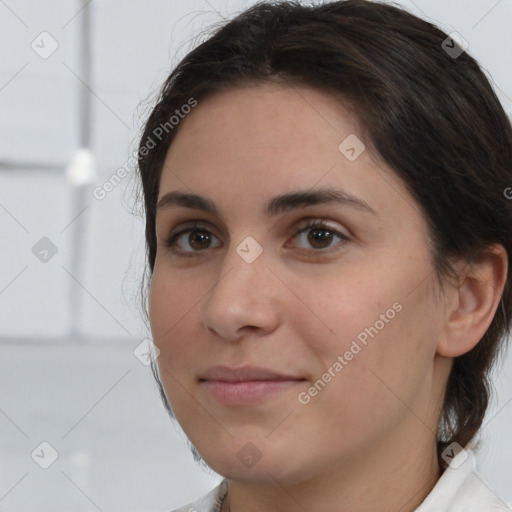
(246,145)
(292,132)
(264,117)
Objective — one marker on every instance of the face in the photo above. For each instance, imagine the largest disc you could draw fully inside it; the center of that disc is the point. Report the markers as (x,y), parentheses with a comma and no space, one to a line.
(345,309)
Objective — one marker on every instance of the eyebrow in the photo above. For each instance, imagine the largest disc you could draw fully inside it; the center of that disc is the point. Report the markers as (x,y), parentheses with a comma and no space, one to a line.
(276,205)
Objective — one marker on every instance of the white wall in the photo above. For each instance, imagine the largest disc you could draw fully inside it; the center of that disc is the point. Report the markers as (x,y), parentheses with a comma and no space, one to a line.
(124,454)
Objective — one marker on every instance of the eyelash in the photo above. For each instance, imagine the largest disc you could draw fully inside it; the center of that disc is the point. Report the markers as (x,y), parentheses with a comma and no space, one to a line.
(311,225)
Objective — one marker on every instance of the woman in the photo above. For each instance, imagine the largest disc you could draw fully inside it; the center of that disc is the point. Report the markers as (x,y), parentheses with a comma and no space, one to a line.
(328,237)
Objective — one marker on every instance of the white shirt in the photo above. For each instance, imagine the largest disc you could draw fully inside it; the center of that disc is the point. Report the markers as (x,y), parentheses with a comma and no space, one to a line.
(461,488)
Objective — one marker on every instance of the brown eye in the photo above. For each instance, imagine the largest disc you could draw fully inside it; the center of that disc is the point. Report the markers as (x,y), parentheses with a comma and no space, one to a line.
(316,234)
(319,235)
(199,239)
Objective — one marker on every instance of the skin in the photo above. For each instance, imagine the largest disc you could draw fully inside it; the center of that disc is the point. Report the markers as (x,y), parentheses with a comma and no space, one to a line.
(366,441)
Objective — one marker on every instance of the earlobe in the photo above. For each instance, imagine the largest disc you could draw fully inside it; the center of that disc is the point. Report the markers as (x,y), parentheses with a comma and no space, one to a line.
(475,301)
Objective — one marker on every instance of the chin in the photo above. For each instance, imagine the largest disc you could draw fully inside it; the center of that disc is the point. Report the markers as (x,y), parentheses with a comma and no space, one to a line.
(258,466)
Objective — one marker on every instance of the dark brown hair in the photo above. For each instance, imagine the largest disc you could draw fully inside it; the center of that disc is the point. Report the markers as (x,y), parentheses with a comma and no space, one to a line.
(430,114)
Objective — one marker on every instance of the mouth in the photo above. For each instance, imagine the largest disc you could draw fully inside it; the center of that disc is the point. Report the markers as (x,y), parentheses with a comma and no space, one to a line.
(244,393)
(246,385)
(244,374)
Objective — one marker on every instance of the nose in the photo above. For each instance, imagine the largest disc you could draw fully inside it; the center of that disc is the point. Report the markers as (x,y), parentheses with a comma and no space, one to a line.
(246,298)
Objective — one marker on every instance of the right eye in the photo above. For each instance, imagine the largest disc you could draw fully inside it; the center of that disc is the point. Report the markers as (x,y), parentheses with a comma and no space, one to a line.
(199,240)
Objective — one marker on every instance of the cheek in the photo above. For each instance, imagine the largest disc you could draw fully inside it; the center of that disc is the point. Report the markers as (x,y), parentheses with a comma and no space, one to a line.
(160,303)
(384,328)
(170,316)
(349,309)
(169,303)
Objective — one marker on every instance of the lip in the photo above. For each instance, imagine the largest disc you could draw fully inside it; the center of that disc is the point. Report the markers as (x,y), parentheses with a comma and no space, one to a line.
(244,373)
(246,385)
(248,392)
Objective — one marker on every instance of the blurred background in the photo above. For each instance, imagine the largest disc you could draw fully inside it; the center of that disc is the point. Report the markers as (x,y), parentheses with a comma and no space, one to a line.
(81,422)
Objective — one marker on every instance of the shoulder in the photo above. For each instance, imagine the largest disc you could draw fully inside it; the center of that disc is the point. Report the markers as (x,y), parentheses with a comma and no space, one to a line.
(462,488)
(210,502)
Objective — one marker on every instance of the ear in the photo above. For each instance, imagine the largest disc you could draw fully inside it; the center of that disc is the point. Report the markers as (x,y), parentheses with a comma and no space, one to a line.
(472,302)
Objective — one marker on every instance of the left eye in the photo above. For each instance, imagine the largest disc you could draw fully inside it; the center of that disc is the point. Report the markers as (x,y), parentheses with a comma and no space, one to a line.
(320,237)
(320,234)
